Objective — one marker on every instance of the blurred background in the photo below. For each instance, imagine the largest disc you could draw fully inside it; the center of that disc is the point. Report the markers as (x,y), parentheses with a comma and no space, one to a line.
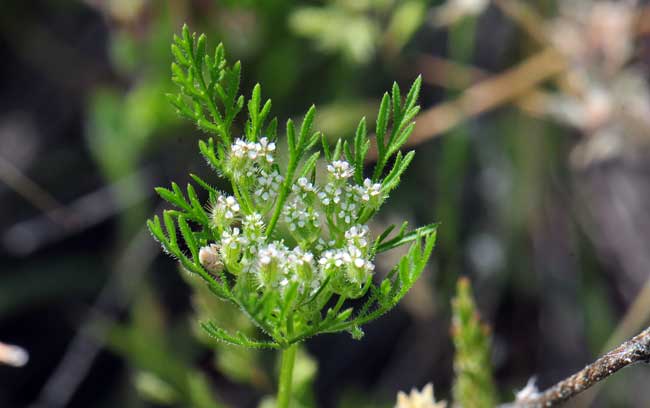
(532,152)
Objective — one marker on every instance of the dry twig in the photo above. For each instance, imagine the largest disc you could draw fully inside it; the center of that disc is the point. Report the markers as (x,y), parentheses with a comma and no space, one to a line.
(634,351)
(453,75)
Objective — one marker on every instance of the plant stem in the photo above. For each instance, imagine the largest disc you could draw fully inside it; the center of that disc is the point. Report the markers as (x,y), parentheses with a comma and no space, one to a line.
(286,375)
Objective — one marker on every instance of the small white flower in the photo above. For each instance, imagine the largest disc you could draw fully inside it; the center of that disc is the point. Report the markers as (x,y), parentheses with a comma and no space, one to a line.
(340,170)
(239,149)
(232,244)
(254,151)
(225,211)
(268,185)
(300,217)
(232,239)
(321,245)
(358,269)
(357,236)
(368,191)
(253,226)
(266,150)
(302,263)
(271,262)
(303,188)
(330,195)
(331,261)
(347,212)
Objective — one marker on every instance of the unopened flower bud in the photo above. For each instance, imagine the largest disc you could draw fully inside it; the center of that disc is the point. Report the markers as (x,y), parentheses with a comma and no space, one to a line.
(210,258)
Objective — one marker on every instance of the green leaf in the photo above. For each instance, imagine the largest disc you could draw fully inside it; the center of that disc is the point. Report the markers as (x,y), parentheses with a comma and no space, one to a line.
(240,339)
(198,212)
(291,136)
(188,39)
(166,195)
(397,106)
(401,239)
(205,185)
(385,288)
(401,138)
(265,111)
(180,57)
(188,236)
(413,94)
(326,148)
(337,150)
(382,121)
(200,52)
(171,229)
(345,315)
(156,229)
(305,128)
(361,145)
(349,157)
(310,165)
(393,178)
(272,129)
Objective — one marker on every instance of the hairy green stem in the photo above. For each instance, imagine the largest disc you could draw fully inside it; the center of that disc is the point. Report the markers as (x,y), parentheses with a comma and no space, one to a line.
(286,376)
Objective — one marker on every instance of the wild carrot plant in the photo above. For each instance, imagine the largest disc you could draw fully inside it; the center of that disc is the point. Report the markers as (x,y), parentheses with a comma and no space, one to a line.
(290,243)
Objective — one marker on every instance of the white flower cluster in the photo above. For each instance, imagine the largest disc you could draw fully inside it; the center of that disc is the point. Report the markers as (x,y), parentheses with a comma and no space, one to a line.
(369,192)
(268,185)
(253,227)
(270,264)
(303,188)
(301,218)
(246,158)
(344,200)
(340,170)
(351,262)
(224,211)
(340,202)
(322,220)
(262,150)
(274,266)
(232,244)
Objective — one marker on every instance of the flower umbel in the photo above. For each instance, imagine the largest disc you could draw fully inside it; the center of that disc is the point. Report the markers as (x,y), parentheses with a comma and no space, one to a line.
(290,245)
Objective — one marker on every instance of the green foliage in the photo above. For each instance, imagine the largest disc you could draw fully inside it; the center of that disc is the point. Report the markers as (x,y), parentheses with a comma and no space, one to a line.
(238,364)
(474,383)
(294,287)
(357,28)
(164,374)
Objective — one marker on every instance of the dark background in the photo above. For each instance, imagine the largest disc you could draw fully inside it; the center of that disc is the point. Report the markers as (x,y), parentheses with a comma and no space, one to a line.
(557,248)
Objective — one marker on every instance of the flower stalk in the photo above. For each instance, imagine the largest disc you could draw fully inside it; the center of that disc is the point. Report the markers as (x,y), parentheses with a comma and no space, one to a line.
(286,376)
